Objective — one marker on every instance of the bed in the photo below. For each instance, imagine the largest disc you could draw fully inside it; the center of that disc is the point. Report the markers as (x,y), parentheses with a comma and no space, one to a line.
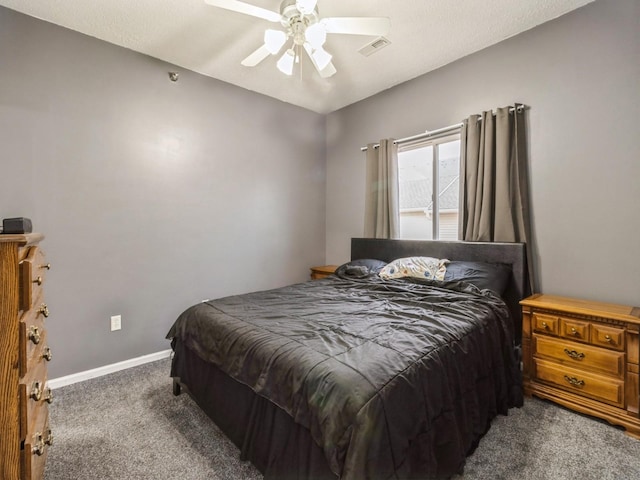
(355,376)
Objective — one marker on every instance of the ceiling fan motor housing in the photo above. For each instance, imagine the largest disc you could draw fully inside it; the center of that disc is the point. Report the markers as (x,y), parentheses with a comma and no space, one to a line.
(291,15)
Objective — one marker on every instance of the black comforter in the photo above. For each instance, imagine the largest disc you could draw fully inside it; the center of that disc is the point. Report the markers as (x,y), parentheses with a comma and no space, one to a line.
(393,379)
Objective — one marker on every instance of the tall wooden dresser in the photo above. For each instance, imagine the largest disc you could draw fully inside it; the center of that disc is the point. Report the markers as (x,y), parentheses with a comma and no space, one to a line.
(24,396)
(584,355)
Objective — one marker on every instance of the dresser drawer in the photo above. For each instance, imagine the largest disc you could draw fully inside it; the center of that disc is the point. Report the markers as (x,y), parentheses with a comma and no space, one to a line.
(574,329)
(32,274)
(35,395)
(32,338)
(40,353)
(577,355)
(36,447)
(546,323)
(604,389)
(607,336)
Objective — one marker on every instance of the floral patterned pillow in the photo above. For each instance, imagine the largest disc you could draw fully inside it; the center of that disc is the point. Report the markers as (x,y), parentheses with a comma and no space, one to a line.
(419,267)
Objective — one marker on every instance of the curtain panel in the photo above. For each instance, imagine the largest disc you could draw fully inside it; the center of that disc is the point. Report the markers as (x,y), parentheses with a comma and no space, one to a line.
(494,184)
(382,200)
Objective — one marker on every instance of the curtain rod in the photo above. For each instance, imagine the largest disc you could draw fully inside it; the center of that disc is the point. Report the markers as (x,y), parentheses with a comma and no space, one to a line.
(420,136)
(439,131)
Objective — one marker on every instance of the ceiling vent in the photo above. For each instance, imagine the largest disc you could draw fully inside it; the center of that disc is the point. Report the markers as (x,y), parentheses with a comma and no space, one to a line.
(378,44)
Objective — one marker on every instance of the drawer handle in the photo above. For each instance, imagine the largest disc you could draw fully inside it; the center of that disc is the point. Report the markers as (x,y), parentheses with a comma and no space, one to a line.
(36,391)
(38,280)
(573,354)
(48,396)
(46,266)
(608,339)
(545,326)
(34,334)
(38,448)
(49,439)
(574,332)
(47,354)
(44,310)
(574,381)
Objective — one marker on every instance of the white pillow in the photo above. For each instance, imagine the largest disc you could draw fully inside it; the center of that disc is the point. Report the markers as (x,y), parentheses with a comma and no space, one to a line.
(419,267)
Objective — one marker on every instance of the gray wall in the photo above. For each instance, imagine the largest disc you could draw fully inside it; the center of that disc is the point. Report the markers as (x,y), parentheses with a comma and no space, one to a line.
(580,74)
(152,195)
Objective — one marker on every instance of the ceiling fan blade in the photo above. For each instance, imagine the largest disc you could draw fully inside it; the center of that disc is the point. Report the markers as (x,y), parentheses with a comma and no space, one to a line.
(328,71)
(374,26)
(256,57)
(246,8)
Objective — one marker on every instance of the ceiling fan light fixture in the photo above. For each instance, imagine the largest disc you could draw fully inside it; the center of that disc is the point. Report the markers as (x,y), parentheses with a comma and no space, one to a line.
(321,57)
(316,35)
(306,6)
(285,64)
(274,40)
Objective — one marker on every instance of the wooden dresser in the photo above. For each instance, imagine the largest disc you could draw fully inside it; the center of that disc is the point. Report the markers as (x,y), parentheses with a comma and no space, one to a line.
(24,396)
(322,271)
(583,355)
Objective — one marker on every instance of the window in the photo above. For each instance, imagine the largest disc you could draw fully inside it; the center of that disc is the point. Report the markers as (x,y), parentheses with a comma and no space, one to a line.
(424,167)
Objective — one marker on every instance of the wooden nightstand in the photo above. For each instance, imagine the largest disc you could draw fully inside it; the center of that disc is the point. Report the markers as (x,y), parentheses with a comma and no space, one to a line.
(322,271)
(583,355)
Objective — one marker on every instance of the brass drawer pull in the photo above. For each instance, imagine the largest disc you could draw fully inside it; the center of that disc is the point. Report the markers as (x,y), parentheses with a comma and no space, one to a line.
(38,280)
(44,310)
(49,439)
(573,354)
(34,334)
(574,381)
(574,332)
(545,326)
(38,448)
(36,391)
(46,266)
(48,395)
(608,339)
(47,354)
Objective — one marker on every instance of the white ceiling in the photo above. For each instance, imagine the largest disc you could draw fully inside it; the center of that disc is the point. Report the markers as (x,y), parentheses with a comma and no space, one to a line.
(425,35)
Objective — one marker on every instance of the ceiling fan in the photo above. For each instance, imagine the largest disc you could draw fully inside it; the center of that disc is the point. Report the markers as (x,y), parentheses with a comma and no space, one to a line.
(301,23)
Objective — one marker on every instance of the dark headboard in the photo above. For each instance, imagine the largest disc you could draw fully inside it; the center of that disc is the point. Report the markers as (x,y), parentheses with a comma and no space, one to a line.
(512,254)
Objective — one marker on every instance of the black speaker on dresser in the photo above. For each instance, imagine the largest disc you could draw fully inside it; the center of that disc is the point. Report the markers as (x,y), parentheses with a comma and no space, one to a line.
(16,225)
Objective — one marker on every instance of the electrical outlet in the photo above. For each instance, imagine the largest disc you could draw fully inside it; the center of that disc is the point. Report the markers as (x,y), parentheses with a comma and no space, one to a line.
(116,322)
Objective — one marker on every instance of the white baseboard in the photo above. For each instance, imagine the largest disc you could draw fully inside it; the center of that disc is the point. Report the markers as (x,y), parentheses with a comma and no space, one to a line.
(107,369)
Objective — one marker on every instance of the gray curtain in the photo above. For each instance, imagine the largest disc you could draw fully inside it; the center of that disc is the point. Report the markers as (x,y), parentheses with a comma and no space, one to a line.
(494,181)
(382,210)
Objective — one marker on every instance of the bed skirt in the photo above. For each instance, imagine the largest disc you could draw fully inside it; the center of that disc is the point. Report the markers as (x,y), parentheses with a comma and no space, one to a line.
(284,450)
(265,434)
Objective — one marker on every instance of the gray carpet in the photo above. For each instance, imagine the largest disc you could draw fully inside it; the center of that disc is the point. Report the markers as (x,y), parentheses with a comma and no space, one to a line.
(128,425)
